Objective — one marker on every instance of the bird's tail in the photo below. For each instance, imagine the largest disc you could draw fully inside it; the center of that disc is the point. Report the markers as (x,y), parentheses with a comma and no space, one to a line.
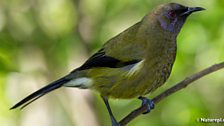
(39,93)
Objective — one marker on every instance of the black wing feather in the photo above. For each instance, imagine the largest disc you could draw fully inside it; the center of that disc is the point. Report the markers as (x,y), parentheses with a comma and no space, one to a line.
(99,59)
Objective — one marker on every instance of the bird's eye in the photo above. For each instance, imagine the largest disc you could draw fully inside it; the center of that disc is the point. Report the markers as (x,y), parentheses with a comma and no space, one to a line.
(171,14)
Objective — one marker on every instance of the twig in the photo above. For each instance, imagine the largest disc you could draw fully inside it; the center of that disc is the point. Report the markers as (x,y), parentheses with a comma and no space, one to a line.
(182,84)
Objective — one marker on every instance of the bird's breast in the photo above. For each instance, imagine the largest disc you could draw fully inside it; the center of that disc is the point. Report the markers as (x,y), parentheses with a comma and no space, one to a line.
(158,68)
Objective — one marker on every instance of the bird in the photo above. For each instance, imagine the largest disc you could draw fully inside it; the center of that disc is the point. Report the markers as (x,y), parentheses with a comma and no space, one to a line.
(130,65)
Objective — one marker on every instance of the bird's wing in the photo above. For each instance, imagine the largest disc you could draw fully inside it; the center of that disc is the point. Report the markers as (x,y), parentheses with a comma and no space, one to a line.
(100,59)
(122,50)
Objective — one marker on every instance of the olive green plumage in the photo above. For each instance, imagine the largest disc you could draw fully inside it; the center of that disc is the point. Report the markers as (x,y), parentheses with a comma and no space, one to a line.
(157,55)
(146,41)
(133,63)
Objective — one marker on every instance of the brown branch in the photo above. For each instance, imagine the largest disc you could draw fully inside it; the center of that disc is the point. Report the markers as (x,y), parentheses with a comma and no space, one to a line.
(182,84)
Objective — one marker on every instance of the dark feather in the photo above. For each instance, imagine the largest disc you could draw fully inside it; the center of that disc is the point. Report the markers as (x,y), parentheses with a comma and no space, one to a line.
(99,59)
(39,93)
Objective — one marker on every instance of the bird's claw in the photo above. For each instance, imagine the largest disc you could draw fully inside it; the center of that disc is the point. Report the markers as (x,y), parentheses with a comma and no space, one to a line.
(150,104)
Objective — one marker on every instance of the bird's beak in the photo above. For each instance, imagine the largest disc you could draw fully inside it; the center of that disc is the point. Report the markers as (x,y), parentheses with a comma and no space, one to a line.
(191,10)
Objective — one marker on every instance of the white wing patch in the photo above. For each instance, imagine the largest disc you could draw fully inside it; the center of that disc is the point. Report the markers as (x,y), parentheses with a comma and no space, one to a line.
(82,82)
(135,68)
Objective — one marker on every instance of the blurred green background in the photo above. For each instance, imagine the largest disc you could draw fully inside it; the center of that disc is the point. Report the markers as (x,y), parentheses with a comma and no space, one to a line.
(42,40)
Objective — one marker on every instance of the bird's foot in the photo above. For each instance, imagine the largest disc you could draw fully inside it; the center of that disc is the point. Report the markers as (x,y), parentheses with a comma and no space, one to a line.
(150,104)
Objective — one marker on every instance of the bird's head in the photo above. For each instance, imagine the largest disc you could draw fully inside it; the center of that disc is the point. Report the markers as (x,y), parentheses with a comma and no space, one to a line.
(172,16)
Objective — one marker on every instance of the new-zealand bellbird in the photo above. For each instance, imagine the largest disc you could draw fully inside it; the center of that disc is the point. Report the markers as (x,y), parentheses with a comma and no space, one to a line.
(133,63)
